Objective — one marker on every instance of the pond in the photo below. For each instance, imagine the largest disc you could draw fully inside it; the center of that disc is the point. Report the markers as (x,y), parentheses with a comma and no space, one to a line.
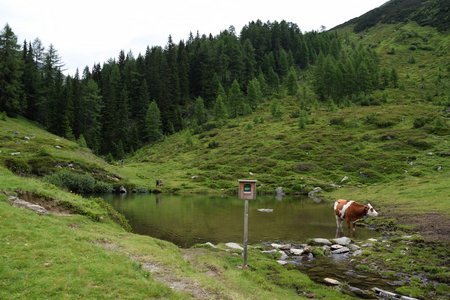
(188,220)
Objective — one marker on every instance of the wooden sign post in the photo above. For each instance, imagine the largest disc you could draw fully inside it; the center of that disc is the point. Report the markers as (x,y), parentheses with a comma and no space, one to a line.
(247,191)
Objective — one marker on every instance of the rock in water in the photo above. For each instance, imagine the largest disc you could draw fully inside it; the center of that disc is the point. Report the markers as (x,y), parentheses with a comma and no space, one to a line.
(320,241)
(267,210)
(344,241)
(296,251)
(341,250)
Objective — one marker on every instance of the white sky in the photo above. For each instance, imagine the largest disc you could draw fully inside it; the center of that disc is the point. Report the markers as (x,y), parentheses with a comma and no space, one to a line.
(85,32)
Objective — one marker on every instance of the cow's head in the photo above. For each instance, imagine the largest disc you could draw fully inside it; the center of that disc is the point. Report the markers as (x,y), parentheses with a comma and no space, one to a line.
(370,211)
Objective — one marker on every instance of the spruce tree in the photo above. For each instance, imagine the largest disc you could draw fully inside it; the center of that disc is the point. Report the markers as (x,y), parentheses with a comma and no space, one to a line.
(10,72)
(220,110)
(236,106)
(153,117)
(254,93)
(291,82)
(200,113)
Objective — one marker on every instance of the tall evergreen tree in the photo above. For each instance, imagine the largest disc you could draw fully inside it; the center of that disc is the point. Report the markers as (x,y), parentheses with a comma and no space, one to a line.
(10,72)
(220,110)
(235,100)
(153,117)
(254,93)
(201,115)
(31,83)
(291,82)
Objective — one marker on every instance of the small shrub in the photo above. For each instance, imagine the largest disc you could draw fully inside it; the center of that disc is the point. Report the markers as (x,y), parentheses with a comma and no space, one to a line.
(17,166)
(420,122)
(420,144)
(304,167)
(43,165)
(77,183)
(209,126)
(213,145)
(295,114)
(337,121)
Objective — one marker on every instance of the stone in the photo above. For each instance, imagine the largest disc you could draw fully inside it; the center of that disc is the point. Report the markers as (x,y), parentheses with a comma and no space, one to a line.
(340,250)
(283,256)
(210,244)
(122,190)
(331,281)
(357,253)
(321,241)
(296,251)
(279,191)
(282,262)
(194,177)
(266,210)
(353,247)
(314,191)
(58,147)
(273,251)
(25,204)
(345,178)
(26,138)
(335,247)
(234,246)
(372,240)
(281,246)
(15,153)
(344,241)
(385,294)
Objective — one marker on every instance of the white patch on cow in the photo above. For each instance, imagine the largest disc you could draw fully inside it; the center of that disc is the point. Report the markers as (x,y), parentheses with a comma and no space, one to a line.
(371,212)
(344,208)
(335,205)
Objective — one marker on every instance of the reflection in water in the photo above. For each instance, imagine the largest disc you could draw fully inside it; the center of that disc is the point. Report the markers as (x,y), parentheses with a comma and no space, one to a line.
(188,220)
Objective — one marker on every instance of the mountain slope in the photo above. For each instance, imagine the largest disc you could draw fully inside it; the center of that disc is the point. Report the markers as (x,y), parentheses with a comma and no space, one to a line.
(435,13)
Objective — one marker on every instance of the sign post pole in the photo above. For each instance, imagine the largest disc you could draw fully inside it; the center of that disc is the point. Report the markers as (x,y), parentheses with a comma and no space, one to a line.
(245,233)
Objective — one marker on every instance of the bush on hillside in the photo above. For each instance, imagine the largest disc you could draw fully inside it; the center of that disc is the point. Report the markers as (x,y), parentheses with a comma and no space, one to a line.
(17,166)
(77,183)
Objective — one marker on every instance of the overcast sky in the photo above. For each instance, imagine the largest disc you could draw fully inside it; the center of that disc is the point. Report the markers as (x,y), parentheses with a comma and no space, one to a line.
(85,32)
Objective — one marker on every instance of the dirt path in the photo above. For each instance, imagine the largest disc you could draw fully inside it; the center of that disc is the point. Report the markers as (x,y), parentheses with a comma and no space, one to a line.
(432,226)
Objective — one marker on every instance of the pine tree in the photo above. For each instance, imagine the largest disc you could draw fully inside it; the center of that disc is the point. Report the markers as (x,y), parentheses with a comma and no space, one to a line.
(153,117)
(220,110)
(235,100)
(31,83)
(10,72)
(200,113)
(254,93)
(249,62)
(91,99)
(291,82)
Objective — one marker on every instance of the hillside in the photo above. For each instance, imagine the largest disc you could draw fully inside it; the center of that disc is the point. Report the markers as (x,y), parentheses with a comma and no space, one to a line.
(435,13)
(405,134)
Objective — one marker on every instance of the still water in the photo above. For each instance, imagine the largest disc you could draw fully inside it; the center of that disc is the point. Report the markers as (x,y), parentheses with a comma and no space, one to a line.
(188,220)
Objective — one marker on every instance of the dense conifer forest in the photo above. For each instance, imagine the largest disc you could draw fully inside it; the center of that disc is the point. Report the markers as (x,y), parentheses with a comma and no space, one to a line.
(118,106)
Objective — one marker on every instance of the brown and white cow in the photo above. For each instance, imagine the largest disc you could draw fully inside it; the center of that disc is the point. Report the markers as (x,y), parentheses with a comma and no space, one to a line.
(351,211)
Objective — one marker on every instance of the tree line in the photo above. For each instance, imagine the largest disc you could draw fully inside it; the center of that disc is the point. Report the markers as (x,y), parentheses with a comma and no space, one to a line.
(118,106)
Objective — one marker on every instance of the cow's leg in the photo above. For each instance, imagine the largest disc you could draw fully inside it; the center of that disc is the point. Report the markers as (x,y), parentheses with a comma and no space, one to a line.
(338,222)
